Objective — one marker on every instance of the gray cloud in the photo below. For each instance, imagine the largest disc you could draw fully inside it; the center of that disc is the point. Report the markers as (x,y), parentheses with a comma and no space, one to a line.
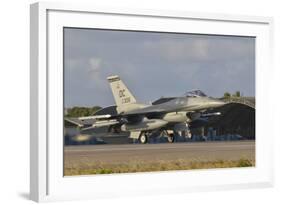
(154,64)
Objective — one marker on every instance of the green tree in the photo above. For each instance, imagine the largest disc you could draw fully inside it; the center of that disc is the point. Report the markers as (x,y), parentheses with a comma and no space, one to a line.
(81,111)
(226,95)
(236,94)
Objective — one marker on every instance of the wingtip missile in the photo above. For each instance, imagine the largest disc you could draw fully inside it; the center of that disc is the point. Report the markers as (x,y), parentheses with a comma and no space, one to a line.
(94,117)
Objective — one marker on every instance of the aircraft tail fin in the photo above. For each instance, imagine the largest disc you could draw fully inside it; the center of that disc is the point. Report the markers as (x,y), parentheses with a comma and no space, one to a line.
(121,93)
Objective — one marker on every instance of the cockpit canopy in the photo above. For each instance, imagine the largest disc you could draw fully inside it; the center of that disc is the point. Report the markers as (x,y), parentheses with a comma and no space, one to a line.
(195,93)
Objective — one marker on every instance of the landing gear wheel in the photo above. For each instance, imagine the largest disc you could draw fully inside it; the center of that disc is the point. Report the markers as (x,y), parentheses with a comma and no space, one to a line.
(143,139)
(171,138)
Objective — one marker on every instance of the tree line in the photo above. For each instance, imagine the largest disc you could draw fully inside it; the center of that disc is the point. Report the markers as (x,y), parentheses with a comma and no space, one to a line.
(81,111)
(229,95)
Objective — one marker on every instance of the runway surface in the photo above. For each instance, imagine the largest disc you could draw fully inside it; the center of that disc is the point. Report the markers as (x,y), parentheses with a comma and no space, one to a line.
(193,151)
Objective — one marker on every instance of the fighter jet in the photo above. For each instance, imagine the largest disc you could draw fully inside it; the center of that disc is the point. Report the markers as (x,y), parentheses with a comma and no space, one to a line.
(143,121)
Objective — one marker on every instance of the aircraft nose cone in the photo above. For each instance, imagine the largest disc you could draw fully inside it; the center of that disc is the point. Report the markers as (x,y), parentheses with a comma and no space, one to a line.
(218,103)
(213,103)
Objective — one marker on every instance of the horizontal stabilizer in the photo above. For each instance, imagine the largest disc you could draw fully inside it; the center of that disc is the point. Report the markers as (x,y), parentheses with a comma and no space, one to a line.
(79,123)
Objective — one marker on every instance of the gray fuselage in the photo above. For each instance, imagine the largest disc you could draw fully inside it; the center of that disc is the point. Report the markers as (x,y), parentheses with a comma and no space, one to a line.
(172,112)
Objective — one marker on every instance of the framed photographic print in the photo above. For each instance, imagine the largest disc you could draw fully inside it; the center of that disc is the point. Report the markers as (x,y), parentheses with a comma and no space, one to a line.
(133,102)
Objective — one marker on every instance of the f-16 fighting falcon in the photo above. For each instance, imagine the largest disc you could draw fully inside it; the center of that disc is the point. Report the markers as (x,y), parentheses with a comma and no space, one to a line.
(142,121)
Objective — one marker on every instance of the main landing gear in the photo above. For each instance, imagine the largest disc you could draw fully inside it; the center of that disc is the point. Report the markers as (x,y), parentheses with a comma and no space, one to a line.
(171,137)
(143,138)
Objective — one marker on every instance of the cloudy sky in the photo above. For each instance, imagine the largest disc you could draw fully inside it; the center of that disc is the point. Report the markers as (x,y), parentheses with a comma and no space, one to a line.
(154,64)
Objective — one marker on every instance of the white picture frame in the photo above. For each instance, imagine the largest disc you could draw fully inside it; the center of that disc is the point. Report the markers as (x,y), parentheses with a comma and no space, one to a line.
(46,142)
